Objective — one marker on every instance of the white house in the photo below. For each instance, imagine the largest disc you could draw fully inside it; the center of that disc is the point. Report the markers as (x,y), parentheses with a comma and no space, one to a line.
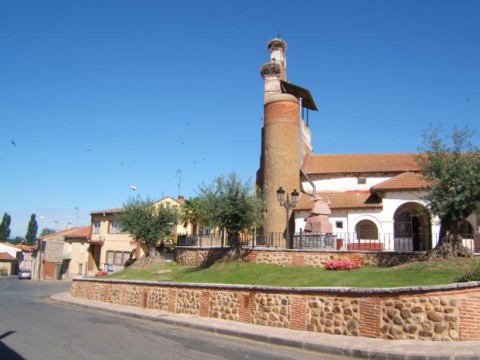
(376,202)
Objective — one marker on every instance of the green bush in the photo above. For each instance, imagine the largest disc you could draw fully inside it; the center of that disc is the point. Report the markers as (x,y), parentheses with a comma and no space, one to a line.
(471,275)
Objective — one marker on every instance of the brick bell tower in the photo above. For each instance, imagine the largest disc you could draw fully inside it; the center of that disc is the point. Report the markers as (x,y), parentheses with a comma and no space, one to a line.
(281,153)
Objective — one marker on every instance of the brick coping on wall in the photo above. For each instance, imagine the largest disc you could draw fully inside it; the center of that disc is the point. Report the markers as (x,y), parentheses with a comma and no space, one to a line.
(301,290)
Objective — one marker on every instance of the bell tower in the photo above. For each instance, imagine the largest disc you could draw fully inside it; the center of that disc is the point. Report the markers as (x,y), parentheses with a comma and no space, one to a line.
(285,135)
(280,162)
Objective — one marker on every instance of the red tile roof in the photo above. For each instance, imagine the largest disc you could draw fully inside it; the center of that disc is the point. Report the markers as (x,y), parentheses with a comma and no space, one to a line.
(6,257)
(342,200)
(75,232)
(81,232)
(359,163)
(402,182)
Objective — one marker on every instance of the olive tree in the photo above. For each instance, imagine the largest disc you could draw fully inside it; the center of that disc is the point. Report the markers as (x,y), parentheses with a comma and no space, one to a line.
(451,164)
(147,222)
(231,205)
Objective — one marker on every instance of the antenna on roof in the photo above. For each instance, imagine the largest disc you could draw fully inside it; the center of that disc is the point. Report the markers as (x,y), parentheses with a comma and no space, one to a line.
(178,176)
(76,213)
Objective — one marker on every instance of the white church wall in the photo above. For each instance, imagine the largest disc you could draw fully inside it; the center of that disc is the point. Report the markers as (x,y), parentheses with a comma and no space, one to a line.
(341,183)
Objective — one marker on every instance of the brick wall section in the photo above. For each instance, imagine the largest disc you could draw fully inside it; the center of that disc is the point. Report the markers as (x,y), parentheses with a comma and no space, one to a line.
(298,260)
(146,293)
(299,313)
(172,300)
(470,317)
(438,313)
(205,304)
(246,310)
(370,317)
(281,112)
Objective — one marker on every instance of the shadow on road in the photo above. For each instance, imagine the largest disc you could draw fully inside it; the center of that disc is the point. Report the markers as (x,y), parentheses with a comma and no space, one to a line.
(5,352)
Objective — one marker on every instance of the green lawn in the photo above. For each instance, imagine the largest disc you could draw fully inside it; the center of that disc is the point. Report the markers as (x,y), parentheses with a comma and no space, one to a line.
(416,273)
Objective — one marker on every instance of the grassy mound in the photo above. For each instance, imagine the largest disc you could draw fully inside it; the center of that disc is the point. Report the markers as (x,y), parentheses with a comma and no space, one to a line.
(412,274)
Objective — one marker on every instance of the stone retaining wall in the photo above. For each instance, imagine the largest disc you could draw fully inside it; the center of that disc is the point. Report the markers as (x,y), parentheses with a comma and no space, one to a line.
(442,313)
(201,256)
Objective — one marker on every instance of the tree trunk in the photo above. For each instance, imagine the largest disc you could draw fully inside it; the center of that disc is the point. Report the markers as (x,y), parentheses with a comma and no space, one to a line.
(235,253)
(450,244)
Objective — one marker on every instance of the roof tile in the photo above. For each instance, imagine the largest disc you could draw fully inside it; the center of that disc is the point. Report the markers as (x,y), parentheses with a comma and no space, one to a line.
(4,256)
(360,163)
(402,182)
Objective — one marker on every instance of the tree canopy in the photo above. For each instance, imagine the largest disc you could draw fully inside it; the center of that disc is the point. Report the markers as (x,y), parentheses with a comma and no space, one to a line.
(147,222)
(451,164)
(230,204)
(46,231)
(32,229)
(5,227)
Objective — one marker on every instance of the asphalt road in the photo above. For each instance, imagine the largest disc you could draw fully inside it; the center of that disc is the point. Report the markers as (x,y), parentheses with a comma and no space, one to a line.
(32,327)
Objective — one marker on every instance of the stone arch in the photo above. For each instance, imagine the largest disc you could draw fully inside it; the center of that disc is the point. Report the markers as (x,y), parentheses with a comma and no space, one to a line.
(466,229)
(412,227)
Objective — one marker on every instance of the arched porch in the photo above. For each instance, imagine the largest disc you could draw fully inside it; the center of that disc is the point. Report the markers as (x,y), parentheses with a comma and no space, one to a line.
(412,227)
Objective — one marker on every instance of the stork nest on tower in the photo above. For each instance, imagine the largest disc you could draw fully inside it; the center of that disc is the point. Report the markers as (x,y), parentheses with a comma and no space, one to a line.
(276,43)
(270,69)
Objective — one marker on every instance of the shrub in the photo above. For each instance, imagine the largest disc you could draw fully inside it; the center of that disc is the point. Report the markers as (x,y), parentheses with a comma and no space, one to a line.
(471,275)
(340,264)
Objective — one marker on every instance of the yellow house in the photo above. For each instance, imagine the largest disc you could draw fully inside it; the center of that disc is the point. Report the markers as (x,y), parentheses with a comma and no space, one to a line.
(111,247)
(77,249)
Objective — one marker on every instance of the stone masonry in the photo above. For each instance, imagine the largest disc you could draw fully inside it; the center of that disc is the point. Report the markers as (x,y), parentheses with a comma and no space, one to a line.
(438,313)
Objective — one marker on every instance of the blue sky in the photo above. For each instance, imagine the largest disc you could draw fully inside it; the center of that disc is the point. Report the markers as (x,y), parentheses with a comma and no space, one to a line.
(101,95)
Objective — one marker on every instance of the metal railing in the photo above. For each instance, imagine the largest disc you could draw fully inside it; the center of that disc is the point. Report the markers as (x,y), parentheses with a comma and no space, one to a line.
(335,241)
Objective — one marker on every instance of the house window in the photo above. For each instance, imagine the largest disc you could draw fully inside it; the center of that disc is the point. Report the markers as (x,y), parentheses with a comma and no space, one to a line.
(361,181)
(117,257)
(96,227)
(366,230)
(80,269)
(115,227)
(339,224)
(110,255)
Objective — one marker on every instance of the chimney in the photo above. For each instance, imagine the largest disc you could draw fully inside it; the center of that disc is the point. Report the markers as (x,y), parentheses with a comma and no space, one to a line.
(69,226)
(181,199)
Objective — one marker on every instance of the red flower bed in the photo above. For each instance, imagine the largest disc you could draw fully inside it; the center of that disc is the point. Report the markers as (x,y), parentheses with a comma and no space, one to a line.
(101,273)
(340,264)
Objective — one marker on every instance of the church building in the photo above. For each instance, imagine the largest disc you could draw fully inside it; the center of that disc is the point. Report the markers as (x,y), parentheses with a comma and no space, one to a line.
(374,200)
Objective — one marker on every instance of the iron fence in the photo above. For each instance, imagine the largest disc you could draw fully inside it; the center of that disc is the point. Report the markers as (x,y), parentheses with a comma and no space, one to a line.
(364,241)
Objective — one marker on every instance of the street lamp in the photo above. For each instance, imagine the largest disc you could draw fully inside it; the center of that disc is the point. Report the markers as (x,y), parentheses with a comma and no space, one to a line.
(288,204)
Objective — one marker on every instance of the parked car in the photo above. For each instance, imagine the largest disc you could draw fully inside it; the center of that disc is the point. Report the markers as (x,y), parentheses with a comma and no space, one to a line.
(25,274)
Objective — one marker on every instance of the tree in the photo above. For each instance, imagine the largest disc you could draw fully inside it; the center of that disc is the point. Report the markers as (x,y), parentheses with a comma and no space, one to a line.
(229,204)
(147,222)
(46,231)
(5,227)
(190,214)
(32,229)
(452,167)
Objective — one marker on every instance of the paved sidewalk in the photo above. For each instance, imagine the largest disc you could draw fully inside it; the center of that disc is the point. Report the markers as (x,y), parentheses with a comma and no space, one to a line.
(346,346)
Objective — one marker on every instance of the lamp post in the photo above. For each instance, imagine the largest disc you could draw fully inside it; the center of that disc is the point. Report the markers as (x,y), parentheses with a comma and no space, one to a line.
(288,204)
(39,249)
